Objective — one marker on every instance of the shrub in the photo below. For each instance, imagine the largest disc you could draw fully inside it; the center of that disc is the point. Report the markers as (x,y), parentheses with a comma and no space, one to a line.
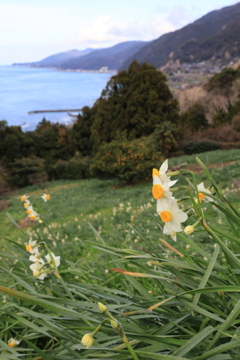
(24,170)
(195,147)
(75,168)
(194,118)
(131,161)
(236,122)
(221,118)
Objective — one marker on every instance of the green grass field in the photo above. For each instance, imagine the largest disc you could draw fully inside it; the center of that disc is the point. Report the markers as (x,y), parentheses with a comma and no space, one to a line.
(97,225)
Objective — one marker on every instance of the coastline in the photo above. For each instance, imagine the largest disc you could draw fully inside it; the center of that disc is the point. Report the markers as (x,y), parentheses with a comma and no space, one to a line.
(68,70)
(26,89)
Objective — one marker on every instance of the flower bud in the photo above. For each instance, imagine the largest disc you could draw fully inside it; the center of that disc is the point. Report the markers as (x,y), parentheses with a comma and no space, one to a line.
(114,324)
(87,340)
(102,307)
(189,230)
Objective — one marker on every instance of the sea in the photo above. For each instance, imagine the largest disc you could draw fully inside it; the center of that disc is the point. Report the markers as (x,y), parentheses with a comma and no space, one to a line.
(25,89)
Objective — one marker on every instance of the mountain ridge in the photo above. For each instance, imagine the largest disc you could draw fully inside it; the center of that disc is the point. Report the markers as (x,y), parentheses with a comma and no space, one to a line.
(158,51)
(213,37)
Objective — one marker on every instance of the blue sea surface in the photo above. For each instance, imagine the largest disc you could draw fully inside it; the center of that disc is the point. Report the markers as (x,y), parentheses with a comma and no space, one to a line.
(24,89)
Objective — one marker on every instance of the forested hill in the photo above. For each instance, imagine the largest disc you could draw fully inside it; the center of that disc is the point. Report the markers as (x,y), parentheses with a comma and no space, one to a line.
(215,35)
(112,57)
(56,59)
(91,59)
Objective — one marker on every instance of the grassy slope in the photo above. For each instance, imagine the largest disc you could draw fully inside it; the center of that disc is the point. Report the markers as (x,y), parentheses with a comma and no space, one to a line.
(111,208)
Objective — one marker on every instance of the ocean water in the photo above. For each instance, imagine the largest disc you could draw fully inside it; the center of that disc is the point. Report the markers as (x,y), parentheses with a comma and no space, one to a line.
(24,89)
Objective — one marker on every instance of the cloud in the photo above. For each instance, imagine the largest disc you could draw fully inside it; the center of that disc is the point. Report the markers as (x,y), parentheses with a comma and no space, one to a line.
(28,24)
(105,30)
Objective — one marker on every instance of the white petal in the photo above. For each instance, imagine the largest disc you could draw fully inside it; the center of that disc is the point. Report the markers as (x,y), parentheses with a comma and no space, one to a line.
(163,167)
(156,180)
(180,216)
(42,276)
(171,183)
(209,198)
(174,226)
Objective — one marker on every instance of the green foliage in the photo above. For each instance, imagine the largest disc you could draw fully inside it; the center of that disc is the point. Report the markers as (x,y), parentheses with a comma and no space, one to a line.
(27,171)
(236,122)
(195,147)
(173,300)
(75,168)
(223,80)
(80,134)
(130,161)
(165,136)
(133,102)
(14,143)
(194,118)
(221,118)
(51,142)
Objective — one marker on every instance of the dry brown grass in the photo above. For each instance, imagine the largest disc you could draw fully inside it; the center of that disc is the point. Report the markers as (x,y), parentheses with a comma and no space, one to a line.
(212,102)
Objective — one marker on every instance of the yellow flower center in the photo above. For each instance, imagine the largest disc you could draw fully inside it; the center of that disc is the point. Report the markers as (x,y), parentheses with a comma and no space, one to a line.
(155,172)
(28,248)
(166,216)
(36,273)
(47,196)
(157,191)
(11,344)
(28,212)
(32,217)
(25,205)
(201,196)
(22,199)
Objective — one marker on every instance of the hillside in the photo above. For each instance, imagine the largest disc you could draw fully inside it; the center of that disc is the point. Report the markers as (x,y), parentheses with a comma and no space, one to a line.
(112,57)
(56,59)
(90,59)
(212,36)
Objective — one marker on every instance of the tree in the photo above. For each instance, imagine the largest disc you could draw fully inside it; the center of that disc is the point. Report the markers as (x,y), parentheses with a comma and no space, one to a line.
(133,102)
(194,118)
(80,134)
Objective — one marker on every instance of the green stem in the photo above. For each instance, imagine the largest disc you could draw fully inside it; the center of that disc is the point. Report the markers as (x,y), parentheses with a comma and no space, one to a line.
(128,345)
(58,276)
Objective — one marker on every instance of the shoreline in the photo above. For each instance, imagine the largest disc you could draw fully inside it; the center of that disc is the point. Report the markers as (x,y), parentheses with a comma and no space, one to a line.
(68,70)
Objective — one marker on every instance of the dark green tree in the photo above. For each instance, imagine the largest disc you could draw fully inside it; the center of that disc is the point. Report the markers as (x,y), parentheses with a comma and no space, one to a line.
(194,118)
(133,102)
(80,134)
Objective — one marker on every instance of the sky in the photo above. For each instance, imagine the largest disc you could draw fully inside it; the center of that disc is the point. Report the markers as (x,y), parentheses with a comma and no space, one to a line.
(31,30)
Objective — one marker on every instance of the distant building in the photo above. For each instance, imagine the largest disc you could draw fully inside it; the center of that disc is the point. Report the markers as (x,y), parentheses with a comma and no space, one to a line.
(104,69)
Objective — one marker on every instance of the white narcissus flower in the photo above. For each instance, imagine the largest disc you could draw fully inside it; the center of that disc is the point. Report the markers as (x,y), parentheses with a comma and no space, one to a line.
(55,258)
(33,215)
(161,173)
(26,203)
(37,268)
(31,246)
(171,215)
(24,198)
(12,342)
(161,190)
(202,191)
(45,197)
(168,231)
(29,209)
(36,258)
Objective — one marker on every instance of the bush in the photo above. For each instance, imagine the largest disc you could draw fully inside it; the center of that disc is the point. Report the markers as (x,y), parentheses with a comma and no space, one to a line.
(236,122)
(221,118)
(131,161)
(75,168)
(195,147)
(25,170)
